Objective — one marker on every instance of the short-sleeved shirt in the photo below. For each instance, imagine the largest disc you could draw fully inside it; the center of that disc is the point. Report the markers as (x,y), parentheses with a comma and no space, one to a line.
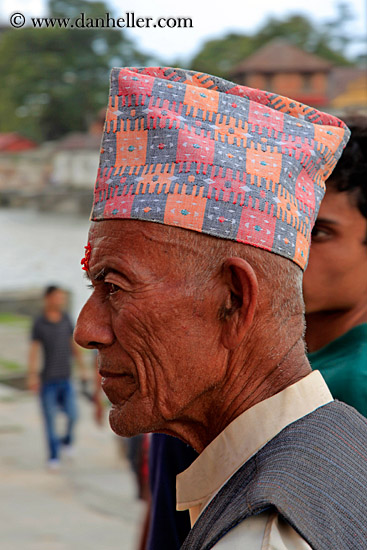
(55,340)
(343,364)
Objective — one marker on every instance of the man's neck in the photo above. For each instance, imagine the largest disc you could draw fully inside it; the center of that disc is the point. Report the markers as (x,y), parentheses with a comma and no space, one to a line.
(243,388)
(282,370)
(53,315)
(326,326)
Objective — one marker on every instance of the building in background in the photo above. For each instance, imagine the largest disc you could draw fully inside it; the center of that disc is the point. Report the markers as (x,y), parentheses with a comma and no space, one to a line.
(348,90)
(53,176)
(75,161)
(287,70)
(14,142)
(24,165)
(76,156)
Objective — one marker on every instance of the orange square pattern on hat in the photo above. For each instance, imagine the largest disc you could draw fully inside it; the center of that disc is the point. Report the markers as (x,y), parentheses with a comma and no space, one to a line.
(131,148)
(185,211)
(264,163)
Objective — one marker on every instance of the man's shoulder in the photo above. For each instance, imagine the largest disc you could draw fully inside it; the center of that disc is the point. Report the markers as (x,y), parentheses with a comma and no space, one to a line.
(342,352)
(38,319)
(339,411)
(324,423)
(335,429)
(37,325)
(314,469)
(66,319)
(265,531)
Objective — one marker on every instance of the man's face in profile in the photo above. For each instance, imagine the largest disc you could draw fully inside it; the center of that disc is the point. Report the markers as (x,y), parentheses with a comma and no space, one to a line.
(156,330)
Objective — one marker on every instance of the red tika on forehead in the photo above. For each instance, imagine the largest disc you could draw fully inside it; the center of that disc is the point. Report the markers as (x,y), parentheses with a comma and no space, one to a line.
(85,260)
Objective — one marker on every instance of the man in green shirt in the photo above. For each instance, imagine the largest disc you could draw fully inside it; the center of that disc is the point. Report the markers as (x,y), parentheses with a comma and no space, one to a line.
(335,282)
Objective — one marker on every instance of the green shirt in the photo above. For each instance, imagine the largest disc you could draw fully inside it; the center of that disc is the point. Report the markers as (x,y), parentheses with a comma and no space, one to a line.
(343,364)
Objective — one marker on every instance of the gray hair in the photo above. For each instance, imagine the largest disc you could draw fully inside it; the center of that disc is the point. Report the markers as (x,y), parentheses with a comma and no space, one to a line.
(280,280)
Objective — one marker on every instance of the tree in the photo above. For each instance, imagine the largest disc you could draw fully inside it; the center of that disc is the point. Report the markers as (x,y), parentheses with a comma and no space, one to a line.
(55,80)
(220,55)
(337,29)
(327,40)
(302,32)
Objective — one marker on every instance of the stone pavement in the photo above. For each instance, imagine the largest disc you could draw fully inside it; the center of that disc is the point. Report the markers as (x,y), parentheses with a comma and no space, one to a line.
(89,504)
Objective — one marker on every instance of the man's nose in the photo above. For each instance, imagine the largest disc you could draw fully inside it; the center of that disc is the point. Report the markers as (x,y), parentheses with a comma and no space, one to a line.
(93,327)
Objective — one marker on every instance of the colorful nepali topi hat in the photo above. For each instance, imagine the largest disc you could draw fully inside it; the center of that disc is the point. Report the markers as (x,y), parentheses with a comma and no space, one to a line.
(191,150)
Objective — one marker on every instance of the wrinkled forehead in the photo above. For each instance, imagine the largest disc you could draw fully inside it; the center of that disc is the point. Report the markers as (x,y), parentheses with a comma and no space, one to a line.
(128,233)
(137,243)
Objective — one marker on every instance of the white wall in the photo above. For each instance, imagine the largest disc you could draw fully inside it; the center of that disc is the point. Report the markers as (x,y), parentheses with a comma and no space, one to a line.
(75,168)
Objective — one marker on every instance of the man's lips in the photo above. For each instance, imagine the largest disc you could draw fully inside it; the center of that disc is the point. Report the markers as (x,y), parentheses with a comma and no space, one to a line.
(117,386)
(110,374)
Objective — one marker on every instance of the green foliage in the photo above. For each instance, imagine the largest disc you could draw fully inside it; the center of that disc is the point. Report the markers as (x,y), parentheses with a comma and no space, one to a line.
(303,33)
(8,365)
(13,319)
(219,56)
(55,80)
(328,40)
(72,8)
(297,29)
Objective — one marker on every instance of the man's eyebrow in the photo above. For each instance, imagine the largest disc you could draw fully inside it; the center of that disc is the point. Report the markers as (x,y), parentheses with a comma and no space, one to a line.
(100,276)
(326,221)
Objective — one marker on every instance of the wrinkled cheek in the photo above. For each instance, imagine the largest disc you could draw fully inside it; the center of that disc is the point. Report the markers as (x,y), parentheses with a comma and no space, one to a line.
(147,372)
(151,361)
(178,390)
(158,383)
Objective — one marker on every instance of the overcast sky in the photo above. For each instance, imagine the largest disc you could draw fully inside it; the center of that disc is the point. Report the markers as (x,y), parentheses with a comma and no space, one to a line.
(210,19)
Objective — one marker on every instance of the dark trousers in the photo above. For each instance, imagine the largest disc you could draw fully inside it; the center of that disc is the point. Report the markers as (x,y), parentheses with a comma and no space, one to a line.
(55,396)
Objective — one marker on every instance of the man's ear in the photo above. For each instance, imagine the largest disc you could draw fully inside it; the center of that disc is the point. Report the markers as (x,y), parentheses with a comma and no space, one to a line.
(240,302)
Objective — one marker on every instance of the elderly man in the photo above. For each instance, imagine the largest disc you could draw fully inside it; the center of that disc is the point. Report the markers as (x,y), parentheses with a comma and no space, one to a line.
(335,292)
(198,318)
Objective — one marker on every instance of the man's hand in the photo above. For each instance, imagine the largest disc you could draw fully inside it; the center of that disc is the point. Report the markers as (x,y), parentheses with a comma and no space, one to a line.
(33,382)
(98,409)
(78,355)
(98,398)
(33,379)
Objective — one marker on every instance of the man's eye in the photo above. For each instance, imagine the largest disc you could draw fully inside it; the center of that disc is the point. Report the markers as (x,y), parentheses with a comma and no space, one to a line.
(318,233)
(112,288)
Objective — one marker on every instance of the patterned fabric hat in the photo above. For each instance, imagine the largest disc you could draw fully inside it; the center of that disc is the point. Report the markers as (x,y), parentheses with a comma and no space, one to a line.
(195,151)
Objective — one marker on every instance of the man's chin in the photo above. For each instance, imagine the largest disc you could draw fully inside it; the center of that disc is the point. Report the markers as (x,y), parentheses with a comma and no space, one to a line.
(125,424)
